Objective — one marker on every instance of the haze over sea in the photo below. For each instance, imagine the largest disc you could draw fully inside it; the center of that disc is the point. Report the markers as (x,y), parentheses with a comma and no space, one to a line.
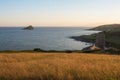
(47,38)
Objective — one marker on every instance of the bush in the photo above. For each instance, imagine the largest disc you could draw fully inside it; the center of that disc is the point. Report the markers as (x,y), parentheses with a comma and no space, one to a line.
(68,51)
(38,50)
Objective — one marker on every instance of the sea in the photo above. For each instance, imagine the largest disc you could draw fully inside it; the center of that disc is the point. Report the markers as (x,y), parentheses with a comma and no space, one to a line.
(46,38)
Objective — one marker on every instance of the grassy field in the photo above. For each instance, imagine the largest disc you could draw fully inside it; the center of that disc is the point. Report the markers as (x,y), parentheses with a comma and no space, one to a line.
(60,66)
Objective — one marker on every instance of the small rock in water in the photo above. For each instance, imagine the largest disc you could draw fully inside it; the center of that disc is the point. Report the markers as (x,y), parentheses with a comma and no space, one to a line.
(30,27)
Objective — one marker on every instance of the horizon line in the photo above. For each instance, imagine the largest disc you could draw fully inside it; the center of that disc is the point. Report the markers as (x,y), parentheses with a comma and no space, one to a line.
(47,26)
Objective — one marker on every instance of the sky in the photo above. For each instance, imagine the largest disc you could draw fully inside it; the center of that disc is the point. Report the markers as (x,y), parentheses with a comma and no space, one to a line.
(59,12)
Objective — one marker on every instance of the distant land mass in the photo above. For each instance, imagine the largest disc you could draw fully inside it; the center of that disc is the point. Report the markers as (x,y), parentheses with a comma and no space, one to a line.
(108,28)
(112,33)
(30,27)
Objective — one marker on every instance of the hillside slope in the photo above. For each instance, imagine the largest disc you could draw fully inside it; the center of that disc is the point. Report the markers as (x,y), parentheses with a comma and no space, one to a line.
(108,28)
(112,35)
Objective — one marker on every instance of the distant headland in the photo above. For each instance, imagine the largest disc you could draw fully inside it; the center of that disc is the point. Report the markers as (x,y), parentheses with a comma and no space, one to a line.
(112,36)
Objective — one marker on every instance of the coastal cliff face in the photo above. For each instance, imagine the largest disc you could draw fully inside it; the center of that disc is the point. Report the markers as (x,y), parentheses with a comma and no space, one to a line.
(112,36)
(99,43)
(100,40)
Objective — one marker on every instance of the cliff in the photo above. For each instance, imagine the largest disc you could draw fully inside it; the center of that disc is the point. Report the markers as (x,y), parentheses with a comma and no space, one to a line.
(112,35)
(100,40)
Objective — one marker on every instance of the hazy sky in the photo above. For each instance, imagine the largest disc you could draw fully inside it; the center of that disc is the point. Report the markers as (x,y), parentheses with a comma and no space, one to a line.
(59,12)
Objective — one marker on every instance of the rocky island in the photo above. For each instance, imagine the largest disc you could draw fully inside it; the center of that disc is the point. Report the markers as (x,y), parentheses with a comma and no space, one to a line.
(30,27)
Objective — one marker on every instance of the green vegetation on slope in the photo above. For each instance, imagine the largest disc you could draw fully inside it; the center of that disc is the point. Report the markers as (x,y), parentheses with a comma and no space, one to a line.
(108,28)
(112,35)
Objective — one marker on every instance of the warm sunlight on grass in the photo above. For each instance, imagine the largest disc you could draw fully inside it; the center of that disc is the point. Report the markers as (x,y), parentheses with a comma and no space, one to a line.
(63,66)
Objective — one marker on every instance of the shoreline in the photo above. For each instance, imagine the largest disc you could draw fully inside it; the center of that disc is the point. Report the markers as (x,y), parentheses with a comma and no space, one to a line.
(109,52)
(91,39)
(40,50)
(82,39)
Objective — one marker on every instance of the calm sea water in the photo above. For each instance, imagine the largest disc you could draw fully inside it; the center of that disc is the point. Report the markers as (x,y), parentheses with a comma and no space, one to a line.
(44,38)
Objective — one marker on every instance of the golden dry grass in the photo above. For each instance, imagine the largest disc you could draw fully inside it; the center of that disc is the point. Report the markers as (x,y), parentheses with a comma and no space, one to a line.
(48,66)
